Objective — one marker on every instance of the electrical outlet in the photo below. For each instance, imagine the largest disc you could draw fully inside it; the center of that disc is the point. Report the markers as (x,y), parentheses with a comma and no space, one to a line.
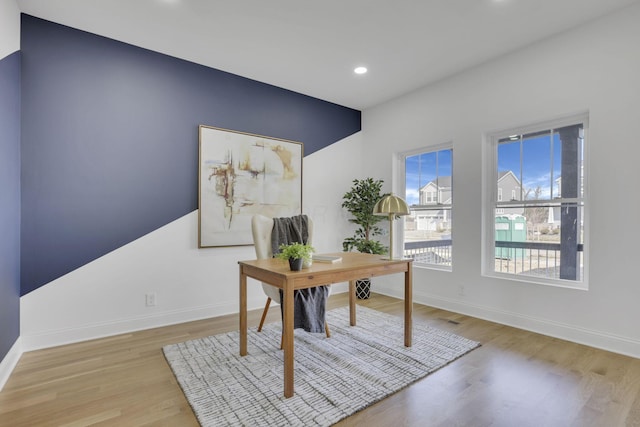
(461,290)
(150,299)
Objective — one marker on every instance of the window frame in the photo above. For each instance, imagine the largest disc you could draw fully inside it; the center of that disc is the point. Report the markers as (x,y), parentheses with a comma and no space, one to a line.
(489,200)
(401,188)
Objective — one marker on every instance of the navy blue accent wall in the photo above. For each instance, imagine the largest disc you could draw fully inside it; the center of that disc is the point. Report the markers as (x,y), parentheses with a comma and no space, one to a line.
(9,202)
(110,140)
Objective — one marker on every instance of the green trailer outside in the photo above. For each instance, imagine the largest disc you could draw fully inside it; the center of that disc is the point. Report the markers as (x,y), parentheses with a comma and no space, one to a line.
(510,228)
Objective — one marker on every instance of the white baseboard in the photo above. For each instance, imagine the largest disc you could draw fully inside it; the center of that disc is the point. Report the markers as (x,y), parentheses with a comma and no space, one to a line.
(598,339)
(10,361)
(592,338)
(54,338)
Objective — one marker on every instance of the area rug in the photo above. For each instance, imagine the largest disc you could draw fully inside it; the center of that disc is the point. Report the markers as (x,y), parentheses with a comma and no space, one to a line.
(334,377)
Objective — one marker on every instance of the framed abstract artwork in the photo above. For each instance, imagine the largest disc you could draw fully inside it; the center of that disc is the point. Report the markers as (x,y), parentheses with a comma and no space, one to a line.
(242,174)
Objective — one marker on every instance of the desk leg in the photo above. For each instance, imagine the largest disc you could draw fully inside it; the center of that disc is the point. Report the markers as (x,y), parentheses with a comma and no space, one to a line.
(408,306)
(352,302)
(243,313)
(287,324)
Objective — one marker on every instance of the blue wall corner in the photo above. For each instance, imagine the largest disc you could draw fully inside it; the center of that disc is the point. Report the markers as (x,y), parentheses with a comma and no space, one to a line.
(110,140)
(9,202)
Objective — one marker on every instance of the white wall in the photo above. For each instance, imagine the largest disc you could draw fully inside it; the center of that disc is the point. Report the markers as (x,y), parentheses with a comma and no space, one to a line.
(107,296)
(594,68)
(9,27)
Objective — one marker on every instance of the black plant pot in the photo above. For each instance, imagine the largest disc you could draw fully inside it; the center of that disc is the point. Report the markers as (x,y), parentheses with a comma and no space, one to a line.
(363,288)
(296,264)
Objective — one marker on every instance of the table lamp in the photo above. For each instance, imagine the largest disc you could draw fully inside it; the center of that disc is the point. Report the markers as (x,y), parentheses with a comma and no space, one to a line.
(391,205)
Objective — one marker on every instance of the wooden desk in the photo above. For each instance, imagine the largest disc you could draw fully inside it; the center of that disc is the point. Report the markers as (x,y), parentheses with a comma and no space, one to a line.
(353,266)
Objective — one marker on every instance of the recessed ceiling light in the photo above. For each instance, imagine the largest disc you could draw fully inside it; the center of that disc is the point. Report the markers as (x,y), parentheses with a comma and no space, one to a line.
(360,70)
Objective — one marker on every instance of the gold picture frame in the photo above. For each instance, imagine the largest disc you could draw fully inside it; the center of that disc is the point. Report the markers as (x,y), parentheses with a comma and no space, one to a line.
(242,174)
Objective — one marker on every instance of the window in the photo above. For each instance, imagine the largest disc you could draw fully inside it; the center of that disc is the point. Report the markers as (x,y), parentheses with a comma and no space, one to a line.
(429,192)
(537,235)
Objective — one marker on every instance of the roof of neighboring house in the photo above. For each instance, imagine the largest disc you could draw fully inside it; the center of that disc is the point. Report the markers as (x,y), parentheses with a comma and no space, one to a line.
(502,174)
(443,182)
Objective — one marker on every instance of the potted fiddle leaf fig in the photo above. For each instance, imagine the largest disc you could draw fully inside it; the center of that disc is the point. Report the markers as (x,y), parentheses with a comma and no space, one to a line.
(296,254)
(359,201)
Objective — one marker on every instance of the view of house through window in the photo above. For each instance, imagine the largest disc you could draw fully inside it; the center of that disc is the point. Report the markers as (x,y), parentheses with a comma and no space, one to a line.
(427,230)
(538,203)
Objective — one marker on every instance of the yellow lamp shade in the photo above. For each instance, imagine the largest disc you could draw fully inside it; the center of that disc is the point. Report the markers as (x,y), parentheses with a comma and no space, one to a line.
(391,204)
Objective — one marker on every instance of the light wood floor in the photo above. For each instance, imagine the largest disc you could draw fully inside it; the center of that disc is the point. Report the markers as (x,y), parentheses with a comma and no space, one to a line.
(516,378)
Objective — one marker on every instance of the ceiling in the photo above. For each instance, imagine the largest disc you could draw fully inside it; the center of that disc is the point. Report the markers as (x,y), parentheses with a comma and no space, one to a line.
(312,47)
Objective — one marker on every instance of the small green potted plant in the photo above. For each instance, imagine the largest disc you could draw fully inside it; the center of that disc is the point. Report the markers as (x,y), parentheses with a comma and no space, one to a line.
(359,201)
(296,254)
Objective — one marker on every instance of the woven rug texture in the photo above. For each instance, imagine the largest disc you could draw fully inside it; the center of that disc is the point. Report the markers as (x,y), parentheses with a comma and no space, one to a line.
(334,377)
